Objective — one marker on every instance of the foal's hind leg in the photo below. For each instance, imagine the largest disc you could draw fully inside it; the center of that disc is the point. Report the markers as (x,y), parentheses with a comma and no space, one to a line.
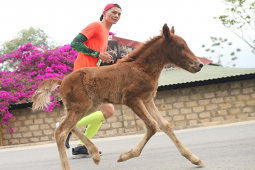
(61,133)
(92,148)
(138,107)
(74,114)
(165,127)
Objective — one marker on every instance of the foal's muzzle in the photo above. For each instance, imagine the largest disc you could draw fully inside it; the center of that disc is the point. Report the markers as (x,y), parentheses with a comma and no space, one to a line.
(196,66)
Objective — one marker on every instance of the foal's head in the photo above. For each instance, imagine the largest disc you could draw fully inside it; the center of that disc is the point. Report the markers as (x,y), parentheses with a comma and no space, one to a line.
(177,51)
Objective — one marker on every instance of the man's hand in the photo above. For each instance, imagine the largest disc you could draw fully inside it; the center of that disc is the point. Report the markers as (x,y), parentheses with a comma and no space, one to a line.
(119,58)
(105,57)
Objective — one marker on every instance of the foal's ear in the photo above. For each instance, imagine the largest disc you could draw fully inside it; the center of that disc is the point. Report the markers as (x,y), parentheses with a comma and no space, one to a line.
(166,31)
(172,30)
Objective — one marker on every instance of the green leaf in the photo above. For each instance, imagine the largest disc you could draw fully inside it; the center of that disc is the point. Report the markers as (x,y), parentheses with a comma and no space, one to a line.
(216,44)
(233,58)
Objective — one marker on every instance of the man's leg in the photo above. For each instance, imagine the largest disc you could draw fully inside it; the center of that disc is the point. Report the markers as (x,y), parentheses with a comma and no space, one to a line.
(94,120)
(90,131)
(107,110)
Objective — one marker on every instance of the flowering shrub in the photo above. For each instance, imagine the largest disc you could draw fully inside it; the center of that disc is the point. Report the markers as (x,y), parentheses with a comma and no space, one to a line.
(31,66)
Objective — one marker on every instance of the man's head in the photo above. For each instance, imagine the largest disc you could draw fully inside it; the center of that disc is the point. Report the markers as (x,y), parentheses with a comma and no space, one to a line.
(111,13)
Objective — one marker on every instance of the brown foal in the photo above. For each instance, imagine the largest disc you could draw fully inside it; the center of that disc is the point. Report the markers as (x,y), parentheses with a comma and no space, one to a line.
(132,82)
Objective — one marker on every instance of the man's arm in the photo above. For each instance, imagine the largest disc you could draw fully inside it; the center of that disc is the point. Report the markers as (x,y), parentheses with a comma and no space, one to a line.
(78,45)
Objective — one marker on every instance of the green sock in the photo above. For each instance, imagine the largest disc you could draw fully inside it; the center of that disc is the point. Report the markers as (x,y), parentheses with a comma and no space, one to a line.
(94,122)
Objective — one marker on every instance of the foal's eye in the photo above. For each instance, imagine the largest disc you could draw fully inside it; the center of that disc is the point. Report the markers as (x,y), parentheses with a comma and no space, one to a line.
(181,47)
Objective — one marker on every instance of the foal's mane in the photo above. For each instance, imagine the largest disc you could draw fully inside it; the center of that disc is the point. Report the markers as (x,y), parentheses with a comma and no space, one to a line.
(133,55)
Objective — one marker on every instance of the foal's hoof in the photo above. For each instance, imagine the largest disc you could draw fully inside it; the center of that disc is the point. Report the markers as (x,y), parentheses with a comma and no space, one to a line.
(120,159)
(96,162)
(96,159)
(126,156)
(199,163)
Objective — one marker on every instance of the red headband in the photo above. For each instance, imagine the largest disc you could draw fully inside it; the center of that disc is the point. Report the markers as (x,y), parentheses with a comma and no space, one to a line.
(108,6)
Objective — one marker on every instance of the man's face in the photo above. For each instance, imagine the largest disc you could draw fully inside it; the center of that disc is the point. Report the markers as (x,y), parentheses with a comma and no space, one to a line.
(112,15)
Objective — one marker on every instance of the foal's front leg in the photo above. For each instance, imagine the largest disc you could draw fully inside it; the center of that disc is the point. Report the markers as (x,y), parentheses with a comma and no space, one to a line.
(165,127)
(138,107)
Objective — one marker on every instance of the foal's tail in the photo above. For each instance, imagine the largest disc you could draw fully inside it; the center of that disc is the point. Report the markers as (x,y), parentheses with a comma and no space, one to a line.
(41,97)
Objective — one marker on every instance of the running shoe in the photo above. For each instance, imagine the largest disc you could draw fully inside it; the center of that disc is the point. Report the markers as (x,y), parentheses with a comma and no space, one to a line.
(81,152)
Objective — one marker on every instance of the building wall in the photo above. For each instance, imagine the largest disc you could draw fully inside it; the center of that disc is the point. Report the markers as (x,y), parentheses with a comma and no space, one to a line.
(209,103)
(184,107)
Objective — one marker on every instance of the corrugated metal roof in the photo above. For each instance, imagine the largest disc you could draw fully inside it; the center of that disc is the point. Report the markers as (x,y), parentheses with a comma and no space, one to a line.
(205,61)
(134,44)
(208,72)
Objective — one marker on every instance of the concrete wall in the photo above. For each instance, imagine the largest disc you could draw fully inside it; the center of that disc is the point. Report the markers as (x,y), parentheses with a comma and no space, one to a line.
(186,107)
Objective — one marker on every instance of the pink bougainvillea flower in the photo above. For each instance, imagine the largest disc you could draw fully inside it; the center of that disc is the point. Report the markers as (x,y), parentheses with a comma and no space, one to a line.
(111,33)
(31,66)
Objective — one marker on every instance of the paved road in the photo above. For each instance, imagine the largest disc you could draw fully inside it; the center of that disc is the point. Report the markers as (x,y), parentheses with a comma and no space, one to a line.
(225,147)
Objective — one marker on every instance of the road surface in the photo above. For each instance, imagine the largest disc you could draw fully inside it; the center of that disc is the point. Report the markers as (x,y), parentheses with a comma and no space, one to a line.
(223,147)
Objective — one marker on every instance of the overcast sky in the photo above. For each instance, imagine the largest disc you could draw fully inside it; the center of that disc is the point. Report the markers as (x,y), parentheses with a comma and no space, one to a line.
(140,20)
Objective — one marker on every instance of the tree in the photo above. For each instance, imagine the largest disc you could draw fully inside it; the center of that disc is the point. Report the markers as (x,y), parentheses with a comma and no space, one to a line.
(37,37)
(240,20)
(218,50)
